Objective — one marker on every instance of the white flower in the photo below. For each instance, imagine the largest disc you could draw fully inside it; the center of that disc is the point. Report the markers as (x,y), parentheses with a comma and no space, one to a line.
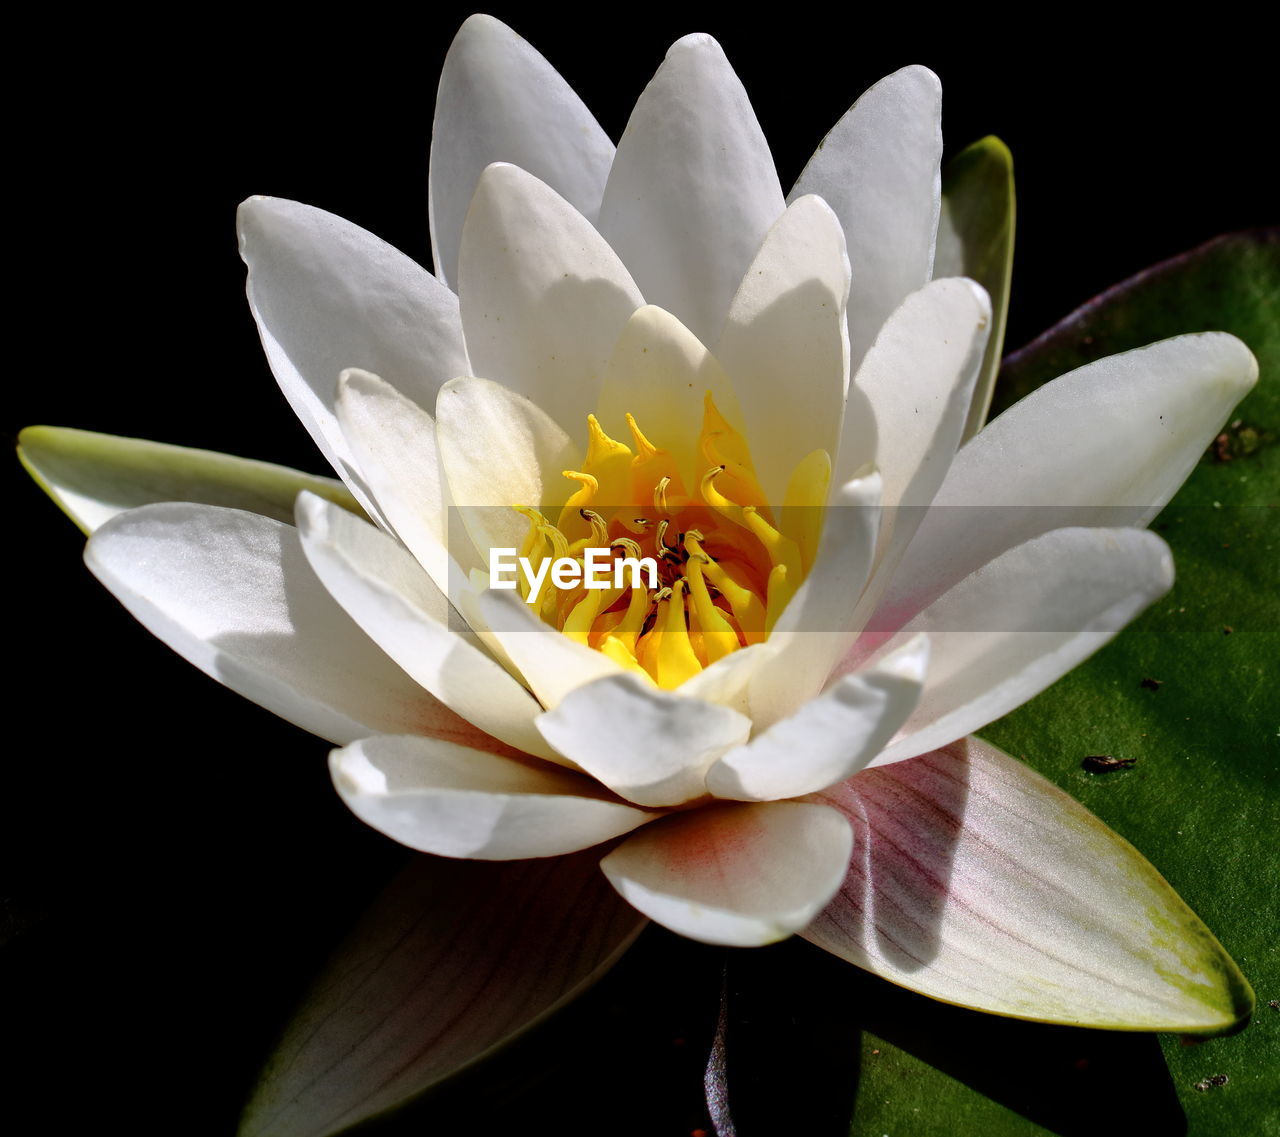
(877,617)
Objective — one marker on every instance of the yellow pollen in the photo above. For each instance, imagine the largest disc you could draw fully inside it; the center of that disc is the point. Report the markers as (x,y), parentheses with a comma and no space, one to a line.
(725,567)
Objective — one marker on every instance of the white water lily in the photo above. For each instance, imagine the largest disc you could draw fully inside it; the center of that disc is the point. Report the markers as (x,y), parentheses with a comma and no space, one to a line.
(696,353)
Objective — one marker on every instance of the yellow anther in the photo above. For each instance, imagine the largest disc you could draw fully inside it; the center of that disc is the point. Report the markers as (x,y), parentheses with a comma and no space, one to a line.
(627,545)
(718,636)
(628,631)
(578,624)
(781,589)
(672,659)
(660,494)
(616,650)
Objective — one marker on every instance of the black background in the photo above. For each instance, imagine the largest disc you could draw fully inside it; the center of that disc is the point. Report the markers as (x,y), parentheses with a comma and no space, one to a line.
(177,863)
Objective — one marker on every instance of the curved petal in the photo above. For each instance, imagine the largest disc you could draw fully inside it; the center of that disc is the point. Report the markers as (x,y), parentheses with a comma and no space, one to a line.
(543,297)
(648,745)
(386,592)
(327,296)
(457,802)
(693,189)
(784,344)
(738,874)
(879,170)
(1106,444)
(499,450)
(1023,621)
(233,593)
(454,959)
(92,477)
(831,737)
(500,101)
(978,882)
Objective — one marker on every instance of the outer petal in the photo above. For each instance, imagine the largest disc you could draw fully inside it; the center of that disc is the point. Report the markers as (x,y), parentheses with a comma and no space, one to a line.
(648,745)
(977,882)
(233,593)
(544,298)
(1020,623)
(92,477)
(1106,444)
(385,591)
(693,189)
(785,346)
(831,737)
(734,874)
(454,959)
(499,450)
(328,296)
(879,170)
(457,802)
(501,101)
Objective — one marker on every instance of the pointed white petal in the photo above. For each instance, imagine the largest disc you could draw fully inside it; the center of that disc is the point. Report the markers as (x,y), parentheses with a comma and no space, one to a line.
(400,608)
(233,593)
(648,745)
(693,189)
(92,477)
(1023,621)
(544,298)
(499,450)
(784,345)
(327,296)
(454,959)
(879,170)
(501,101)
(1106,444)
(457,802)
(831,737)
(734,874)
(977,882)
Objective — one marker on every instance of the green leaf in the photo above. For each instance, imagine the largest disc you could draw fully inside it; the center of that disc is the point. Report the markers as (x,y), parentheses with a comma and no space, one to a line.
(975,239)
(92,477)
(1202,798)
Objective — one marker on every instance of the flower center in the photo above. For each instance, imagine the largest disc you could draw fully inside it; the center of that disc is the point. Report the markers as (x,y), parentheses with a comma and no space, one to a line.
(727,562)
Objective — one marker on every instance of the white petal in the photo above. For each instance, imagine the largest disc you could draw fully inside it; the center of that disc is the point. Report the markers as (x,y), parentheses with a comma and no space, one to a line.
(693,189)
(457,802)
(1023,621)
(501,101)
(977,882)
(233,593)
(552,664)
(544,298)
(784,344)
(500,451)
(451,962)
(831,737)
(328,296)
(1106,444)
(648,745)
(879,169)
(819,625)
(734,874)
(660,372)
(387,593)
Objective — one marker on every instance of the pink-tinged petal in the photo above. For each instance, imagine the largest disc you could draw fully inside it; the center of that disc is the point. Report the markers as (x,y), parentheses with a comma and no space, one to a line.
(693,189)
(500,101)
(787,322)
(1107,444)
(455,801)
(453,959)
(544,298)
(879,170)
(1015,626)
(831,737)
(233,593)
(327,296)
(977,882)
(738,874)
(648,745)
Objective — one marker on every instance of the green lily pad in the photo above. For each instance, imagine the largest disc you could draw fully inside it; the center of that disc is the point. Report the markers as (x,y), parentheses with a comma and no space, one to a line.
(1187,696)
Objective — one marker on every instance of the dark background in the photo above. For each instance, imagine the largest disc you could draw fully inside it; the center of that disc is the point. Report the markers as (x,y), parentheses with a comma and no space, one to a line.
(176,862)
